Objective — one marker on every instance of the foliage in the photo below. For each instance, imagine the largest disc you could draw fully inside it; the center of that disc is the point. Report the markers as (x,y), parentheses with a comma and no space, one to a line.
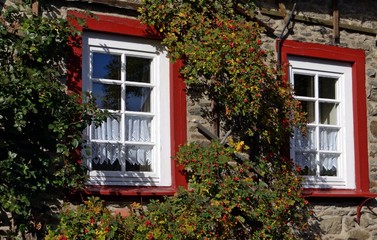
(90,221)
(256,195)
(248,188)
(226,200)
(41,123)
(224,59)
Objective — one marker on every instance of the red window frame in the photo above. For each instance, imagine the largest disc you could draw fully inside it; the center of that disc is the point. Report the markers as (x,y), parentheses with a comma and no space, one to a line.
(131,27)
(357,59)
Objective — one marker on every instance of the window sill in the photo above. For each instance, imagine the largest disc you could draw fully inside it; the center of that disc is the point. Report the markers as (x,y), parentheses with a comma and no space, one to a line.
(337,193)
(128,191)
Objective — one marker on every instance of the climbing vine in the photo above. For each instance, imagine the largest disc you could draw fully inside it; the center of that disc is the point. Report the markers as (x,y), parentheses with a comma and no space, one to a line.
(257,194)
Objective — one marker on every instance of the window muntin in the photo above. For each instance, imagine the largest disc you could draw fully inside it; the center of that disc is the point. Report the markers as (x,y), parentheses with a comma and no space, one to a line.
(129,78)
(325,154)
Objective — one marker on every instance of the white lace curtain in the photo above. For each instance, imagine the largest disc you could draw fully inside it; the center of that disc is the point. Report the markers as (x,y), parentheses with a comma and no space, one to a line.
(104,152)
(328,141)
(137,129)
(109,130)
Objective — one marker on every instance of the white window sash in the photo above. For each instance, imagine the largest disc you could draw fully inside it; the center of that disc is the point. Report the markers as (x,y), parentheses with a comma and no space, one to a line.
(345,178)
(156,121)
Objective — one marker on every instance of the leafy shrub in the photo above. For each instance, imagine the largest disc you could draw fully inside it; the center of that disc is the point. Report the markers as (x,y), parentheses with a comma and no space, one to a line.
(41,123)
(227,199)
(89,221)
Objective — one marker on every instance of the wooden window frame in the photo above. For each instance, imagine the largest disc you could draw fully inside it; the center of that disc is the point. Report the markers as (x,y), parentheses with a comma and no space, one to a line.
(134,28)
(345,177)
(356,58)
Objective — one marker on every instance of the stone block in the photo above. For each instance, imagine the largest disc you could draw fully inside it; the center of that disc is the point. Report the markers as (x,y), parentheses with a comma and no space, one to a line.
(373,94)
(371,73)
(332,225)
(348,223)
(372,110)
(365,222)
(373,82)
(373,127)
(358,234)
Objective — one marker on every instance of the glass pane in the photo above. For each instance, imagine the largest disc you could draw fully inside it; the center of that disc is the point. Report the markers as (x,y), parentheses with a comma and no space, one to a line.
(107,96)
(138,69)
(328,113)
(138,128)
(309,109)
(306,161)
(139,158)
(106,65)
(329,164)
(304,85)
(106,157)
(307,142)
(138,99)
(109,129)
(327,87)
(328,139)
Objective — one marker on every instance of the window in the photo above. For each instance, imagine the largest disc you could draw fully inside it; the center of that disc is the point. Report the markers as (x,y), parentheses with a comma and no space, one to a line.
(120,61)
(323,88)
(329,81)
(129,78)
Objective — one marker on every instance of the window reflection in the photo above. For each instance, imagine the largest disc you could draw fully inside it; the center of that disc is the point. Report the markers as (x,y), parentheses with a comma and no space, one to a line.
(106,66)
(309,108)
(138,99)
(304,85)
(107,96)
(327,87)
(328,113)
(138,69)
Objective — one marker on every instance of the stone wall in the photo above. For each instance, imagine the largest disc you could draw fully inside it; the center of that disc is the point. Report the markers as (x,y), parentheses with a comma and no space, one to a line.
(340,219)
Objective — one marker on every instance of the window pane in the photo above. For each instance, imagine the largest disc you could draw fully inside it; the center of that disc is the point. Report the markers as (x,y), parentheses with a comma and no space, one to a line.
(304,85)
(106,66)
(109,129)
(107,95)
(138,69)
(328,113)
(306,161)
(105,157)
(329,164)
(138,99)
(328,139)
(138,128)
(139,158)
(327,87)
(309,109)
(307,142)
